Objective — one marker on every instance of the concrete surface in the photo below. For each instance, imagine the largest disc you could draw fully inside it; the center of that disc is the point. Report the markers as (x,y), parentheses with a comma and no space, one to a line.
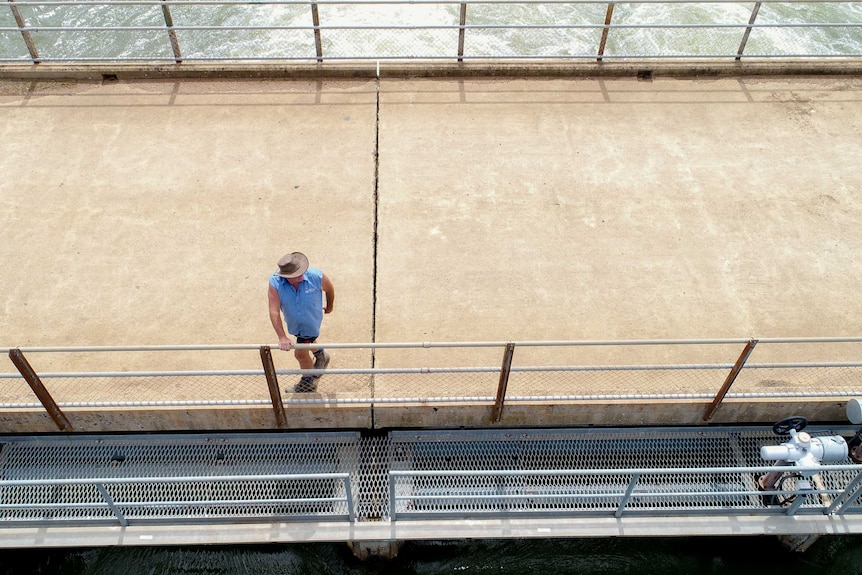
(467,209)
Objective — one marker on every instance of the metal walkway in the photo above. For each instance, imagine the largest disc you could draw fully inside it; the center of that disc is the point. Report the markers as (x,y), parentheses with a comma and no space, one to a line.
(399,485)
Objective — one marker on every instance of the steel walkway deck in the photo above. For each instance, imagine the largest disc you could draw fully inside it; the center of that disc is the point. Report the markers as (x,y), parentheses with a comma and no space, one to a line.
(399,485)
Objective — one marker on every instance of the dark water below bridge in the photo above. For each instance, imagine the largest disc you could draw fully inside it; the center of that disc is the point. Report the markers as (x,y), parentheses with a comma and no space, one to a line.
(622,556)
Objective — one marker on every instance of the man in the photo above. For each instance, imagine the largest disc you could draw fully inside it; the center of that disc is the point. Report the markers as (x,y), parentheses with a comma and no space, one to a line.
(296,291)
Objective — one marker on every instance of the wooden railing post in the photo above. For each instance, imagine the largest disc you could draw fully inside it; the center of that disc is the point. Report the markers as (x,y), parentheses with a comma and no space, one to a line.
(748,30)
(461,23)
(172,34)
(272,384)
(28,39)
(39,389)
(608,15)
(504,381)
(315,20)
(731,377)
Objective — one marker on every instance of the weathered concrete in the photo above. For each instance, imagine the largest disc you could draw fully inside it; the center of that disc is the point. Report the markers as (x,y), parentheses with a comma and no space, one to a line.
(460,209)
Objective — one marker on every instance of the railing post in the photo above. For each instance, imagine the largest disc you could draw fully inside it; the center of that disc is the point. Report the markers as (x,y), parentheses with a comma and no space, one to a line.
(272,383)
(731,377)
(608,15)
(803,489)
(504,381)
(848,498)
(113,506)
(39,389)
(315,20)
(172,34)
(748,30)
(628,495)
(461,23)
(28,40)
(348,492)
(392,512)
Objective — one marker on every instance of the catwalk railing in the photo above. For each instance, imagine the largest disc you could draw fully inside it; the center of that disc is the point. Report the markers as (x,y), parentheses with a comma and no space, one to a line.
(492,373)
(654,474)
(176,31)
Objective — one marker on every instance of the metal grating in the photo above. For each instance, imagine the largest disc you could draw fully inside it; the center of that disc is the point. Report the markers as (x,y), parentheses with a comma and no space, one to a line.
(586,472)
(390,475)
(177,478)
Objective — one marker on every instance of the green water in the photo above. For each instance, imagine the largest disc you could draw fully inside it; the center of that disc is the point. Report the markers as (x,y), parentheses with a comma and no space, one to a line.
(623,556)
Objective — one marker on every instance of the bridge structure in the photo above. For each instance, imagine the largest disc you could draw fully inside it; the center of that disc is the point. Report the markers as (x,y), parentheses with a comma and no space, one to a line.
(571,299)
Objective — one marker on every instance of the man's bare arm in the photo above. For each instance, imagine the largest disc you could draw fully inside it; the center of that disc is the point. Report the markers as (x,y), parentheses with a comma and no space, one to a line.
(330,294)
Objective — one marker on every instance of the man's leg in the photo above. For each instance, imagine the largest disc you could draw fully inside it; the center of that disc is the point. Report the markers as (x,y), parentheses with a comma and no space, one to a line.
(306,361)
(303,356)
(321,361)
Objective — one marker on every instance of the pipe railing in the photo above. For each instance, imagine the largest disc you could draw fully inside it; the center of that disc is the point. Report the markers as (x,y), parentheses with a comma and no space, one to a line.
(617,492)
(505,381)
(184,495)
(172,33)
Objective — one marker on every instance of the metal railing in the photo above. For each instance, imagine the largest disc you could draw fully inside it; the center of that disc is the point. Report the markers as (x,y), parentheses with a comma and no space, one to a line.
(491,373)
(637,491)
(177,31)
(647,473)
(204,498)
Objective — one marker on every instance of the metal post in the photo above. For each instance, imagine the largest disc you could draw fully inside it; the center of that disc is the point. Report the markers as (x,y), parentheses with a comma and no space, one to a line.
(849,497)
(731,377)
(628,495)
(39,389)
(110,501)
(28,40)
(348,492)
(608,15)
(748,30)
(172,34)
(504,381)
(461,23)
(392,512)
(272,383)
(315,19)
(803,488)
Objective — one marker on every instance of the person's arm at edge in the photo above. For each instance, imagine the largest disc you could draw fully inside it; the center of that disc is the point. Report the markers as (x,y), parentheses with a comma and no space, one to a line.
(330,294)
(284,342)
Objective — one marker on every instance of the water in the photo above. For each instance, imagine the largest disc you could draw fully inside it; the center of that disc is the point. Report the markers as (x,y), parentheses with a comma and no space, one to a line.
(298,42)
(841,555)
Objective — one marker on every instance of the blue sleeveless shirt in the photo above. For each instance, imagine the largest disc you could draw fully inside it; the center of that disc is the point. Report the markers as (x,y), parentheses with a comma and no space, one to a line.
(302,308)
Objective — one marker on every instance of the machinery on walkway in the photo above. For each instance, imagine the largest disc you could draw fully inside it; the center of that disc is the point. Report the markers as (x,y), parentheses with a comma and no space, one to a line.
(803,452)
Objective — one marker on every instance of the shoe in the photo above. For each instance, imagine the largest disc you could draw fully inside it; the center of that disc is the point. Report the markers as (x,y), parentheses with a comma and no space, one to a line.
(305,385)
(321,361)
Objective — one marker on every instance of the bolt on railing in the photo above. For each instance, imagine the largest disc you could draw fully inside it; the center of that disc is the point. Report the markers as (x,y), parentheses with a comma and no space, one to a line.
(553,29)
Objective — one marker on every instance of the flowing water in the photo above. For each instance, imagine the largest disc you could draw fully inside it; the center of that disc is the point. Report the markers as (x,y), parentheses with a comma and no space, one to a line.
(386,41)
(841,555)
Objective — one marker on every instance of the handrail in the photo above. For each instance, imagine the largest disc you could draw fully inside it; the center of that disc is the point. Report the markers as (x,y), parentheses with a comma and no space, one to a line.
(436,344)
(42,47)
(439,370)
(611,372)
(624,493)
(101,482)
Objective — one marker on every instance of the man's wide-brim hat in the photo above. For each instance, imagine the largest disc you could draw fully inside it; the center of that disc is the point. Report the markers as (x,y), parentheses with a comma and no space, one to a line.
(292,265)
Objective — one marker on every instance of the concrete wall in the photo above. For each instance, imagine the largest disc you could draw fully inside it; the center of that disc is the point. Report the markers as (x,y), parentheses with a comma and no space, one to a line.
(427,415)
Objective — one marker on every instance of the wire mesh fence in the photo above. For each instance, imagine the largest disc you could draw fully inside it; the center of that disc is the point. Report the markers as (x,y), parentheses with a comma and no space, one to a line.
(35,31)
(476,372)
